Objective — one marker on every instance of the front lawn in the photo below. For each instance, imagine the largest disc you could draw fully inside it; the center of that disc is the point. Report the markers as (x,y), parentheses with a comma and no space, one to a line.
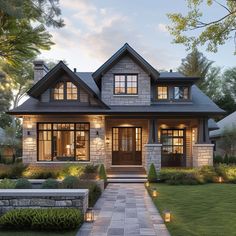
(207,210)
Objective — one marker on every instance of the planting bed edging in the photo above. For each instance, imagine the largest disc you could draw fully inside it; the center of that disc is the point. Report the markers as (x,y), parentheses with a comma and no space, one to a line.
(42,198)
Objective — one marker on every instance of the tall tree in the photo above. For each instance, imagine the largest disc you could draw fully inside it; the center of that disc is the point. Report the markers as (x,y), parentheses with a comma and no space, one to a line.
(229,78)
(211,33)
(23,28)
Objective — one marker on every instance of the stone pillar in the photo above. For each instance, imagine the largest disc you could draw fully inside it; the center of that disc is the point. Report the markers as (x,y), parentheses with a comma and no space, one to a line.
(203,155)
(153,155)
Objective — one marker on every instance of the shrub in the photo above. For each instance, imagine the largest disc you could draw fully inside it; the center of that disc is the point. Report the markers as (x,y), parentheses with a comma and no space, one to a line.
(152,174)
(71,170)
(218,159)
(91,169)
(50,184)
(17,170)
(5,171)
(102,173)
(23,184)
(7,183)
(227,172)
(208,173)
(42,219)
(94,191)
(70,182)
(41,172)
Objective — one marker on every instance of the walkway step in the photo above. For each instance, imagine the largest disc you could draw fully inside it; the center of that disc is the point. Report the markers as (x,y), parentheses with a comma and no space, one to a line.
(126,180)
(126,176)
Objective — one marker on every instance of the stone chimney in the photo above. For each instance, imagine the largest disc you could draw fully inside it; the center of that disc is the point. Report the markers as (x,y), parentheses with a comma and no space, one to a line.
(40,70)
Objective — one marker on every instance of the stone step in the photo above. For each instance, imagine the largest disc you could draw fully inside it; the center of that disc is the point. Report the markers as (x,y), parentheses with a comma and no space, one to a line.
(136,176)
(125,180)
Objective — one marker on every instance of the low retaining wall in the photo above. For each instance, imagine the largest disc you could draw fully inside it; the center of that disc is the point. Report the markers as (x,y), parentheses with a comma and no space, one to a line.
(42,198)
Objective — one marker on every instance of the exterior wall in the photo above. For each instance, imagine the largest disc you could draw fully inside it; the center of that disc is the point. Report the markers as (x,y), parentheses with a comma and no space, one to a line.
(125,123)
(126,65)
(43,198)
(153,155)
(202,155)
(97,144)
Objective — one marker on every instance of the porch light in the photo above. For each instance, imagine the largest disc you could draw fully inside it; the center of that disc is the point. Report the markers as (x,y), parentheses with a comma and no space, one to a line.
(167,216)
(89,215)
(147,184)
(154,192)
(28,133)
(97,134)
(220,179)
(107,141)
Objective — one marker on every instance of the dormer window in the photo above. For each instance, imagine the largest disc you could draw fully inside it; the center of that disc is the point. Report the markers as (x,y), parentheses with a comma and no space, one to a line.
(181,92)
(126,84)
(162,92)
(65,91)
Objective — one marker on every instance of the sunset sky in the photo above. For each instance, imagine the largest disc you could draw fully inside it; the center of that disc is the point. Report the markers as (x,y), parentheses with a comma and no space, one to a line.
(95,29)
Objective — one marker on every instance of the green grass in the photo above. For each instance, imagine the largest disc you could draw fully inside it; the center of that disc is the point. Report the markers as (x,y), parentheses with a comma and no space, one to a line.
(35,233)
(206,210)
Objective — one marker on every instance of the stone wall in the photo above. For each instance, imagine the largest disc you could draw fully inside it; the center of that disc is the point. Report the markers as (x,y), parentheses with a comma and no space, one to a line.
(43,198)
(202,155)
(153,155)
(126,65)
(97,143)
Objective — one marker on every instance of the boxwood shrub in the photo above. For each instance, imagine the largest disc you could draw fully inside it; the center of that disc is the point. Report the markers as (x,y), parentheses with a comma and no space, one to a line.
(47,219)
(228,172)
(23,184)
(50,184)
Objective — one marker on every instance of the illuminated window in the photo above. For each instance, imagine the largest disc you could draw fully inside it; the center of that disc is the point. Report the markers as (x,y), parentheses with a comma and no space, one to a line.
(125,84)
(58,91)
(71,91)
(65,91)
(162,92)
(63,141)
(181,93)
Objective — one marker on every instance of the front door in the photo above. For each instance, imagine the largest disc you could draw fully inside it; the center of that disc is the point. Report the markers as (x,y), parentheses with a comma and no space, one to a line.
(126,146)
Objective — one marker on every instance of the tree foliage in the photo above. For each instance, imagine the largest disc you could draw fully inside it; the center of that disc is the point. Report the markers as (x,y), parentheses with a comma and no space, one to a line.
(212,33)
(23,28)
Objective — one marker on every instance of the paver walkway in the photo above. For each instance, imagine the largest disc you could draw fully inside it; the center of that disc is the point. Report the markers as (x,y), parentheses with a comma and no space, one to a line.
(125,209)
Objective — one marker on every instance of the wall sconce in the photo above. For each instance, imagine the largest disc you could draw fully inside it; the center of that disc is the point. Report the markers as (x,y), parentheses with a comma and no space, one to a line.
(89,215)
(68,149)
(107,141)
(147,184)
(97,134)
(154,192)
(167,216)
(28,133)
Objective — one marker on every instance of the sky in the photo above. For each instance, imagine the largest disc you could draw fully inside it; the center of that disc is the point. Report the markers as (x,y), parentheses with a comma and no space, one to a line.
(96,29)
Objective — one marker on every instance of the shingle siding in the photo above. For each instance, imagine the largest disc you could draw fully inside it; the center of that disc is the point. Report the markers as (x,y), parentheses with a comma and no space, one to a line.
(126,65)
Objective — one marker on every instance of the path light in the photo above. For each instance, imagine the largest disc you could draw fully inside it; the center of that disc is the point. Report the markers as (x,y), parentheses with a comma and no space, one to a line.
(147,184)
(154,192)
(220,179)
(167,216)
(89,215)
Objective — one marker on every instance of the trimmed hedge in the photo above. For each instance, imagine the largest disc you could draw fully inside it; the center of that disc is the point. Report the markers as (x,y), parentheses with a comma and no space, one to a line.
(7,184)
(50,184)
(70,182)
(23,184)
(57,219)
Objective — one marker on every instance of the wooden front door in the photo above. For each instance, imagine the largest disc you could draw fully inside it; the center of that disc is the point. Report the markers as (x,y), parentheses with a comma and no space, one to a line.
(126,146)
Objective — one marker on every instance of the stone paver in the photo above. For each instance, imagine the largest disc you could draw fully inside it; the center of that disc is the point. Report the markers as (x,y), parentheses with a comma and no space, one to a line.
(125,210)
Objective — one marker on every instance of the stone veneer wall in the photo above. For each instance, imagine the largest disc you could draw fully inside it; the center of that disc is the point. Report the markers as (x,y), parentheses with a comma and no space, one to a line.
(97,144)
(126,65)
(153,155)
(202,155)
(43,198)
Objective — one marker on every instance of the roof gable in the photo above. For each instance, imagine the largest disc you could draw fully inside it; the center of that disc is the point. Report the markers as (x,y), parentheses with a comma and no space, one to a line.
(43,84)
(126,49)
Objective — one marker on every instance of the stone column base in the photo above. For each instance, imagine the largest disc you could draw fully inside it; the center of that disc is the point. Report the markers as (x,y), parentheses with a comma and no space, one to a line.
(203,155)
(153,155)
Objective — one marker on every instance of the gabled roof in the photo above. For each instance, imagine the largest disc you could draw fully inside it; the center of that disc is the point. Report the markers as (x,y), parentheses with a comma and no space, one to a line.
(176,77)
(228,122)
(53,74)
(126,49)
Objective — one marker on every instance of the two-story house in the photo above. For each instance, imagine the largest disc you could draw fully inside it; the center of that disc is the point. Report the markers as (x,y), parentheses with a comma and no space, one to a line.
(126,113)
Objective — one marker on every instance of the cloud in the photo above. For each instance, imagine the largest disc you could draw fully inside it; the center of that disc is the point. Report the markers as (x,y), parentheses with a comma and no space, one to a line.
(162,28)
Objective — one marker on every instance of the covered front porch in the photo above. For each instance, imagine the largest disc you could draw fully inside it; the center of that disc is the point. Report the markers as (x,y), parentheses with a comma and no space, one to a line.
(165,142)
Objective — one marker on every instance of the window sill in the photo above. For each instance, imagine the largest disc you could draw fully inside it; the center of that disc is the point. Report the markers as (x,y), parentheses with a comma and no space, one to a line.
(125,95)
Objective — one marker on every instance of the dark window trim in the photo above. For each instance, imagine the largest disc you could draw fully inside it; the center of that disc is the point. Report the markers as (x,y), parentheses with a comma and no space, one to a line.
(125,93)
(65,91)
(74,130)
(168,95)
(180,99)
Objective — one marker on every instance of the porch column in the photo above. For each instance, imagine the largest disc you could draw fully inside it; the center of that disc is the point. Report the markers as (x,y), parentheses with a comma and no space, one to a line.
(203,150)
(153,148)
(152,131)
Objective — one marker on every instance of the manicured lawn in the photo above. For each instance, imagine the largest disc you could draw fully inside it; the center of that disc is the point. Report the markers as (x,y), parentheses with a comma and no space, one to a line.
(33,233)
(206,210)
